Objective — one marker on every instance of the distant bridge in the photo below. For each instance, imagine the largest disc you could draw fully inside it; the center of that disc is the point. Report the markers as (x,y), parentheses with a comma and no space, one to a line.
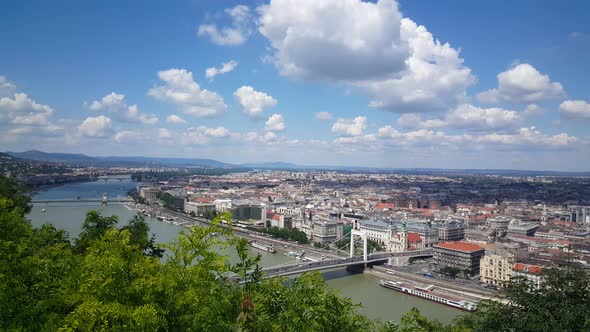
(82,200)
(113,177)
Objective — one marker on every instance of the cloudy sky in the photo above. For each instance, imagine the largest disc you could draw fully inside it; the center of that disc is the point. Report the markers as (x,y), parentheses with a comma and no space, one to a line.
(444,84)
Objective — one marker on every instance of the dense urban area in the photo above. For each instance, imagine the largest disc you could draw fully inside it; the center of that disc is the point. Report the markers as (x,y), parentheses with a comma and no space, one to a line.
(458,237)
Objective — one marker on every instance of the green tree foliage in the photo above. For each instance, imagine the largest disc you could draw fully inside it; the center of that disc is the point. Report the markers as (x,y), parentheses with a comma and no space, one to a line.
(413,321)
(306,305)
(168,199)
(139,230)
(15,192)
(562,304)
(285,234)
(34,272)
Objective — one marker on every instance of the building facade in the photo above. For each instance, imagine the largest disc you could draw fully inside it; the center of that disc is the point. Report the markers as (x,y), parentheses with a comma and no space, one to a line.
(402,241)
(532,273)
(199,209)
(496,267)
(149,193)
(451,231)
(464,257)
(326,231)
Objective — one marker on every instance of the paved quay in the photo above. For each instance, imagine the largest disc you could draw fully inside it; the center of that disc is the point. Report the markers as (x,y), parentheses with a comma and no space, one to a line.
(469,293)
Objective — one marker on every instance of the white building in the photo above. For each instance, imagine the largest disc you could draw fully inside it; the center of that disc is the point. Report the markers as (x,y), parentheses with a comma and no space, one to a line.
(327,231)
(149,193)
(199,209)
(222,205)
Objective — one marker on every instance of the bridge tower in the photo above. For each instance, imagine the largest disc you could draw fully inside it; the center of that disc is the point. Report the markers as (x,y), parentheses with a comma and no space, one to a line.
(104,199)
(363,236)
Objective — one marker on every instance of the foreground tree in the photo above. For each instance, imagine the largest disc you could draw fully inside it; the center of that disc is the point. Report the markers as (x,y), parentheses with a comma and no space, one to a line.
(561,304)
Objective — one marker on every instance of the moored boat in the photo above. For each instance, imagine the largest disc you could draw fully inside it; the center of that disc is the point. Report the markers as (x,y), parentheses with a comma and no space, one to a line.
(427,294)
(263,247)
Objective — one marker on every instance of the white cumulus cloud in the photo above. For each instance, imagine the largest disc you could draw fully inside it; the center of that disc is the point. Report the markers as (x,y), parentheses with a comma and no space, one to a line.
(115,104)
(95,126)
(474,118)
(226,67)
(253,102)
(275,123)
(180,89)
(358,40)
(175,119)
(203,135)
(20,109)
(522,83)
(350,127)
(6,87)
(235,34)
(530,137)
(126,136)
(575,109)
(368,46)
(435,78)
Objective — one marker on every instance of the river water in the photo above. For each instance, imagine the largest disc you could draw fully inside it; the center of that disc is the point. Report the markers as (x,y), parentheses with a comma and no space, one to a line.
(376,302)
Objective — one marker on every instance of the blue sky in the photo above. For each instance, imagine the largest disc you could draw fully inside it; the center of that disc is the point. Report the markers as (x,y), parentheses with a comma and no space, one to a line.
(453,84)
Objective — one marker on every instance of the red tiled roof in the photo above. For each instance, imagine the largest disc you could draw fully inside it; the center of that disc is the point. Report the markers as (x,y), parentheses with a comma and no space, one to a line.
(459,246)
(481,217)
(383,206)
(204,199)
(521,267)
(414,237)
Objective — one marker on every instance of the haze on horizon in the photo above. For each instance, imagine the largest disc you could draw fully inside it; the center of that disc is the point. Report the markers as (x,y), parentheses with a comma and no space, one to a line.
(334,82)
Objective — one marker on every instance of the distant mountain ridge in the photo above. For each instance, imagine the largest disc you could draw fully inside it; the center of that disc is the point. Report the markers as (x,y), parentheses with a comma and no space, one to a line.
(84,160)
(51,157)
(187,162)
(275,164)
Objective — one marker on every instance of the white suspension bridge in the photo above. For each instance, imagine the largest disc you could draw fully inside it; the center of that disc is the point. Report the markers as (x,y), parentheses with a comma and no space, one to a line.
(290,268)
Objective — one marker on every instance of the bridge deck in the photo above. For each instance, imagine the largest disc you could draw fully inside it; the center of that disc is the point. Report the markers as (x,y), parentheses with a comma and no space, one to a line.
(82,200)
(287,270)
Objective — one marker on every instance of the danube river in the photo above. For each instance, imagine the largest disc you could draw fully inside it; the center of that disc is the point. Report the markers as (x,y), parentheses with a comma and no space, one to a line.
(376,302)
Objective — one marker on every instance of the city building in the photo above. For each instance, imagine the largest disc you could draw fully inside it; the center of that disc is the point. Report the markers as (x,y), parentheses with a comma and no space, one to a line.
(499,224)
(403,240)
(375,230)
(326,231)
(451,231)
(496,266)
(533,273)
(149,193)
(248,212)
(520,228)
(464,257)
(279,220)
(480,233)
(199,209)
(378,230)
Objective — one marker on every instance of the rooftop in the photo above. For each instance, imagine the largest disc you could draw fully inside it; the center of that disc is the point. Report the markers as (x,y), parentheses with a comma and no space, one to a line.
(521,267)
(459,246)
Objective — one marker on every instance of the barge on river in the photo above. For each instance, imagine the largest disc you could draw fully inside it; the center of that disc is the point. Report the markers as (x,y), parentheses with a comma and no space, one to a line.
(263,247)
(427,294)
